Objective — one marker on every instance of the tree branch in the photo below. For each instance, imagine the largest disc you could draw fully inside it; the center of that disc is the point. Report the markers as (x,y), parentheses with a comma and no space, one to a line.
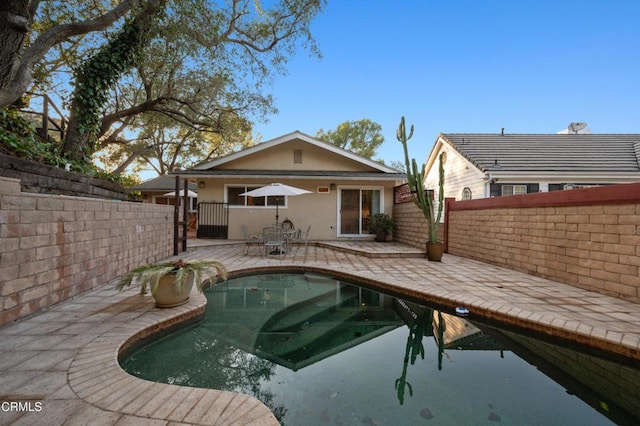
(24,73)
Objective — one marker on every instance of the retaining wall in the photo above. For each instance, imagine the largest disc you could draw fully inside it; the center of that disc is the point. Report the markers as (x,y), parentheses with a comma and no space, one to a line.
(44,179)
(588,238)
(54,247)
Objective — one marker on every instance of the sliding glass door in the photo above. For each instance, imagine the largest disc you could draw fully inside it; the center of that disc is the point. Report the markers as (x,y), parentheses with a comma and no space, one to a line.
(356,204)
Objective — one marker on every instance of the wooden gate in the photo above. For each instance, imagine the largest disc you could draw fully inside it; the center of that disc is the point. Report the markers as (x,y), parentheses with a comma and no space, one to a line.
(213,220)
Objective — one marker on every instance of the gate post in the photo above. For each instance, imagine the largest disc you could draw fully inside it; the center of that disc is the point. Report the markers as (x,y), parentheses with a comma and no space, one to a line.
(185,212)
(176,216)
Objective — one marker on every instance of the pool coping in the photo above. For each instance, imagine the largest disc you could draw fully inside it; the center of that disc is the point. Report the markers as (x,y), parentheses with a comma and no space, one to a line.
(96,377)
(105,322)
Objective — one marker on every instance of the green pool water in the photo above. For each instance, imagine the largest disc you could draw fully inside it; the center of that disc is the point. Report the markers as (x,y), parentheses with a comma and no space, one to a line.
(320,351)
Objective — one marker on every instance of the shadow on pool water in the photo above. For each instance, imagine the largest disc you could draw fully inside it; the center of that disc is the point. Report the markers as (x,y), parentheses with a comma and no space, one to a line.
(318,350)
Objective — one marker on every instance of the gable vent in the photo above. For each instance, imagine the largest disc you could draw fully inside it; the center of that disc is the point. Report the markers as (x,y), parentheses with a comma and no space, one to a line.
(297,156)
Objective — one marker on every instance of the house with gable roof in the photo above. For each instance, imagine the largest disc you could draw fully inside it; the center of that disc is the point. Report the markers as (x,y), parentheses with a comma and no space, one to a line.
(345,187)
(480,165)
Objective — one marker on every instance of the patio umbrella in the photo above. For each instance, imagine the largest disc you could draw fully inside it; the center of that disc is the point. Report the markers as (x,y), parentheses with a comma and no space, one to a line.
(275,190)
(181,194)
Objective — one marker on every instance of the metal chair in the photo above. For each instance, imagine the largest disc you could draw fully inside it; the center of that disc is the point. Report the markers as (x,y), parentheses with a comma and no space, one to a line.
(302,237)
(274,241)
(250,240)
(287,225)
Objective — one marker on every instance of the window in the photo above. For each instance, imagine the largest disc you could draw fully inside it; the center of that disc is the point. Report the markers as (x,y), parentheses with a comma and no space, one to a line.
(466,193)
(235,199)
(514,189)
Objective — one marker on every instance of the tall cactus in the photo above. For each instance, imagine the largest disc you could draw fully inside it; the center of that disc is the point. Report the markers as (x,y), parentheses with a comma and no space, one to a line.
(415,180)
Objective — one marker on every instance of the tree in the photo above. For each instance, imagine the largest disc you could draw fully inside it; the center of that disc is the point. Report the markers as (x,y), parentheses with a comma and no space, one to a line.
(165,145)
(98,74)
(17,62)
(219,57)
(362,137)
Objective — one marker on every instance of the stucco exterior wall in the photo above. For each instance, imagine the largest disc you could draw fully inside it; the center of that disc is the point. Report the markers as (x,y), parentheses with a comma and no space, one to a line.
(320,210)
(281,157)
(589,238)
(55,247)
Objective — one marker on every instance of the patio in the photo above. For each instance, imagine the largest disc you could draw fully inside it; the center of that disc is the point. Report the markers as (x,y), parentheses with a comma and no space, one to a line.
(66,357)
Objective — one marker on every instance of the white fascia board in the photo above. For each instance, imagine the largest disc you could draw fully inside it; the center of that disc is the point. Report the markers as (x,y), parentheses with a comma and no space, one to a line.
(438,147)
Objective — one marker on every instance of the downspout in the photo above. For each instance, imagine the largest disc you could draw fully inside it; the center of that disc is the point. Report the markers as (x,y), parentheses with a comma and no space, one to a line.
(488,177)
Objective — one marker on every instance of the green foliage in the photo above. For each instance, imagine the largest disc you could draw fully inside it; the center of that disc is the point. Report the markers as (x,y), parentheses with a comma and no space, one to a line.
(149,275)
(204,66)
(362,137)
(19,138)
(415,179)
(380,222)
(96,77)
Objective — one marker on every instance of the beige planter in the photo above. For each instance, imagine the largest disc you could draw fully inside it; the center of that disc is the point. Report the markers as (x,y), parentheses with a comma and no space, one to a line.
(168,294)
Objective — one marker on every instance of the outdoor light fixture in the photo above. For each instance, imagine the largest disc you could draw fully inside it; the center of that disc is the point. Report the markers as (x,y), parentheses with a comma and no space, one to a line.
(201,184)
(332,186)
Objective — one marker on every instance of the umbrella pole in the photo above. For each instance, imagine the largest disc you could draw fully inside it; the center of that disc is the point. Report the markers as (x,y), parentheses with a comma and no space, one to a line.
(277,203)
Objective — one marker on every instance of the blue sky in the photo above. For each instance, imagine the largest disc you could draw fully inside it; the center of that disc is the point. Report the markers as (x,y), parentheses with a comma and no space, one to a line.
(465,66)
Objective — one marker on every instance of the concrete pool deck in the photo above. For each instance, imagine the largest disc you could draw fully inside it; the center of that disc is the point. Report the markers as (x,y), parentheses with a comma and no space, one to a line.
(61,364)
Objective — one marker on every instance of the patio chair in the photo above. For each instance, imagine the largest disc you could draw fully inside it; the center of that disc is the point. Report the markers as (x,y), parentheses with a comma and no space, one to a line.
(273,240)
(302,237)
(287,225)
(250,240)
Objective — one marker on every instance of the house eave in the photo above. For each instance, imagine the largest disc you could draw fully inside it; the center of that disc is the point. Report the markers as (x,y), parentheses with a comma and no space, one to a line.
(563,176)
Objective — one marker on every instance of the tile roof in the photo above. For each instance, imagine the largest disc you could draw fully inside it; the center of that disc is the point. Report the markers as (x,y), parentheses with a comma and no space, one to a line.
(549,152)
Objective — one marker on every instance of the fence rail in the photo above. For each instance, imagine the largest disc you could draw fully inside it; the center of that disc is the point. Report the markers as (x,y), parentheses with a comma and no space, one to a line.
(57,124)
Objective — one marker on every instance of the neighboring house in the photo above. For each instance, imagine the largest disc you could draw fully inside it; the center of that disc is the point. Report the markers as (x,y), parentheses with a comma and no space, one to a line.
(346,188)
(491,165)
(156,191)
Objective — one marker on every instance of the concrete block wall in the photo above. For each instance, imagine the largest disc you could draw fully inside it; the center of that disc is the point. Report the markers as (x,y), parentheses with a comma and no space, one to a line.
(589,238)
(411,226)
(54,247)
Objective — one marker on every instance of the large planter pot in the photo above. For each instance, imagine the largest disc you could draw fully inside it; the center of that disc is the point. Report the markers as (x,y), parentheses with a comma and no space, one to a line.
(381,236)
(168,294)
(435,251)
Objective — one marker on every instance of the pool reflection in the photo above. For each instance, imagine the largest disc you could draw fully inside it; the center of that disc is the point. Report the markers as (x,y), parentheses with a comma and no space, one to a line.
(262,332)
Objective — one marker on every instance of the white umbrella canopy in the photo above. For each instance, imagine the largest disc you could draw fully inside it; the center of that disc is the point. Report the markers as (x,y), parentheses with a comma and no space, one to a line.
(275,190)
(181,194)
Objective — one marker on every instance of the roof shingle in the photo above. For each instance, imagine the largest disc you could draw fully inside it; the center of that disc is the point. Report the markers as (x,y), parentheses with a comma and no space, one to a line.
(549,152)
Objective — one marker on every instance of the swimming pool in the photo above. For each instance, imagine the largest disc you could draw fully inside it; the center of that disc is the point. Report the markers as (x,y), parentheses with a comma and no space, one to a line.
(318,350)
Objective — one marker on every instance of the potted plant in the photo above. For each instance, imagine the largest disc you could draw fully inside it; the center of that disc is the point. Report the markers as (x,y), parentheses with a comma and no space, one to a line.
(171,282)
(380,224)
(424,200)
